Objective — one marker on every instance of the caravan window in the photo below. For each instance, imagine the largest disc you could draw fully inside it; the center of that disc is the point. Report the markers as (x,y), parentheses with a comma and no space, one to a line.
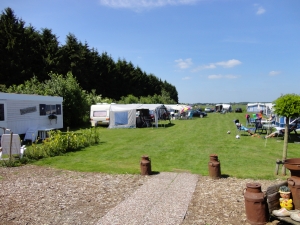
(2,118)
(50,109)
(102,113)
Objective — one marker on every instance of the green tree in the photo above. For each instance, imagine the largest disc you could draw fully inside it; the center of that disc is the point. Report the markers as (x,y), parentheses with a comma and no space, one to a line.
(32,86)
(93,98)
(288,106)
(130,99)
(11,48)
(75,104)
(50,54)
(173,94)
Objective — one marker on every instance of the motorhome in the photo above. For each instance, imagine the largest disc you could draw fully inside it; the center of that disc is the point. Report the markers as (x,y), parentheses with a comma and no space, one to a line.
(99,114)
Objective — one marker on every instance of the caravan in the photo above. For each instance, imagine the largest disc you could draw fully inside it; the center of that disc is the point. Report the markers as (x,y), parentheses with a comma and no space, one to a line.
(21,112)
(99,114)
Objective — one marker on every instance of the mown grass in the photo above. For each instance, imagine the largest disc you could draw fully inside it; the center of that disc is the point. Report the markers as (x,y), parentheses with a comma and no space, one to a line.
(185,145)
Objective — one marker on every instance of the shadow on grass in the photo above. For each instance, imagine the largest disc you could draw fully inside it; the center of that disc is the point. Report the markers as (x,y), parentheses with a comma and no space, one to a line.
(224,176)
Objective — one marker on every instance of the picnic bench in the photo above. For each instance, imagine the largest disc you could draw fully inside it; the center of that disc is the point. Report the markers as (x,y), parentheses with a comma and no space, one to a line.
(273,196)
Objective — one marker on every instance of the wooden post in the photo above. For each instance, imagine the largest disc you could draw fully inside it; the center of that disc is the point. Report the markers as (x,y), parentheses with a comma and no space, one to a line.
(11,137)
(277,166)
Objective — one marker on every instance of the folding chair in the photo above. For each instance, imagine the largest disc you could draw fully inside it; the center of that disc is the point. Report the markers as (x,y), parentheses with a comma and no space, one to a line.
(241,128)
(280,134)
(190,115)
(294,126)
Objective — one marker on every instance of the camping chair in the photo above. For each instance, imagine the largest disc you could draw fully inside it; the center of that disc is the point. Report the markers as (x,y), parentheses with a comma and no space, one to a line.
(240,128)
(146,121)
(294,126)
(183,115)
(11,145)
(259,126)
(190,115)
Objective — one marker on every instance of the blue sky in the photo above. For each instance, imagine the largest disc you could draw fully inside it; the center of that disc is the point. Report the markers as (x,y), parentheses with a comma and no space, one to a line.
(212,51)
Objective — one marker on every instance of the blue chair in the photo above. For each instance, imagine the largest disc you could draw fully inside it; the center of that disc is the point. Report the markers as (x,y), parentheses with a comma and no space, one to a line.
(190,115)
(241,128)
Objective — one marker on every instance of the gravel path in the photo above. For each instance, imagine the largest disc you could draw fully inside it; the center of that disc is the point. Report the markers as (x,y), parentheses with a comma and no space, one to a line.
(36,195)
(162,200)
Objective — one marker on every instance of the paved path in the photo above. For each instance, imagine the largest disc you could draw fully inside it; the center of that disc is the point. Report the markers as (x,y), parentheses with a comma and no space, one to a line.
(163,200)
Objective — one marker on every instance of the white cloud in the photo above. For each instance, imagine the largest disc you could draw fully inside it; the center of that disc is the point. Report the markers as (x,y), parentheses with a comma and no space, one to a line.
(186,78)
(274,73)
(229,63)
(143,4)
(224,64)
(184,64)
(219,76)
(260,9)
(215,76)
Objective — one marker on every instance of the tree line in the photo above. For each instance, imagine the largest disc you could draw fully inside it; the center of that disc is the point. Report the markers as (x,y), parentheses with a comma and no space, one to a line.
(26,53)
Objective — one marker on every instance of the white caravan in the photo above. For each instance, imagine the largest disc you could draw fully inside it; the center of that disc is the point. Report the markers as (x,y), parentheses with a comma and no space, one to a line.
(21,112)
(99,114)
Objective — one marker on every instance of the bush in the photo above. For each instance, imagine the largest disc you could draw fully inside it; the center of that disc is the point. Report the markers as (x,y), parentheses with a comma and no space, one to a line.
(59,143)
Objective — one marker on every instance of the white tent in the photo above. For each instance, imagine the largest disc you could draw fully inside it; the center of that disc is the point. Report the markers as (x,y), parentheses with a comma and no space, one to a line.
(124,115)
(220,107)
(269,108)
(175,107)
(256,107)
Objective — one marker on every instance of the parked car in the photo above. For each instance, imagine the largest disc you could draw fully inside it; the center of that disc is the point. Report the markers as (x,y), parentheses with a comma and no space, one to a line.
(207,109)
(199,113)
(238,110)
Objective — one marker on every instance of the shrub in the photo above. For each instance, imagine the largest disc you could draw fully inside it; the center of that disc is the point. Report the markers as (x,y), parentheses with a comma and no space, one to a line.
(59,143)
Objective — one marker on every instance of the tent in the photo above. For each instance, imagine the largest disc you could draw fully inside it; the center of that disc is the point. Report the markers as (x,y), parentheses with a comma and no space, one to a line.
(125,115)
(256,107)
(122,116)
(269,108)
(176,109)
(220,107)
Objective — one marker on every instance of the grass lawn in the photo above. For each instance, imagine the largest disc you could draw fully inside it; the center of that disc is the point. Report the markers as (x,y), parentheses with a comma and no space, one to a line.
(185,145)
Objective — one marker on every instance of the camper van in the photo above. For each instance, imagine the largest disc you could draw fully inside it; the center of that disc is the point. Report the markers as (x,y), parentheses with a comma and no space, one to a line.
(99,114)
